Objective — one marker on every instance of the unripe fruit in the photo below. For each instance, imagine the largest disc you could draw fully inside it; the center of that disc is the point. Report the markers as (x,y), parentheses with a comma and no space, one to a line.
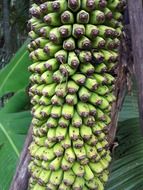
(75,50)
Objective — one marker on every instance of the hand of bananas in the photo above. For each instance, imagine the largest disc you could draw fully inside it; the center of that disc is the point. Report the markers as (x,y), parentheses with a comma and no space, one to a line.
(74,49)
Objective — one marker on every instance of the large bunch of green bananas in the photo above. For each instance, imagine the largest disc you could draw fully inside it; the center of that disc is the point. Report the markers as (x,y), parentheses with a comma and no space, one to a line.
(74,49)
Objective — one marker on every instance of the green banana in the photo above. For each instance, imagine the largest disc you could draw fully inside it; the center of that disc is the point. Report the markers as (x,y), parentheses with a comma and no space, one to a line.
(82,17)
(56,100)
(72,87)
(40,141)
(61,56)
(54,35)
(68,178)
(60,133)
(56,111)
(50,49)
(50,186)
(91,151)
(78,169)
(55,164)
(89,175)
(97,168)
(52,19)
(89,121)
(58,150)
(66,70)
(49,144)
(74,5)
(102,90)
(82,109)
(76,120)
(66,165)
(52,122)
(71,99)
(58,77)
(45,165)
(73,60)
(56,177)
(92,5)
(65,31)
(48,90)
(78,184)
(87,69)
(92,110)
(97,17)
(38,187)
(44,176)
(98,57)
(48,154)
(91,84)
(67,111)
(53,6)
(37,162)
(98,43)
(79,79)
(84,43)
(91,31)
(84,94)
(69,44)
(61,90)
(66,143)
(63,122)
(62,186)
(80,153)
(108,13)
(85,56)
(91,184)
(74,132)
(92,141)
(46,77)
(78,143)
(67,17)
(51,135)
(44,31)
(78,30)
(85,132)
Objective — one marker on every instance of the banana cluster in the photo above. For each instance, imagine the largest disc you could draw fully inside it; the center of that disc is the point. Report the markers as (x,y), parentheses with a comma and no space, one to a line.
(74,49)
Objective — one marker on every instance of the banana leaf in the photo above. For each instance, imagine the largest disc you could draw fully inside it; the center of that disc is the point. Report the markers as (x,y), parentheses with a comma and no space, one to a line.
(13,130)
(127,167)
(127,164)
(19,102)
(15,75)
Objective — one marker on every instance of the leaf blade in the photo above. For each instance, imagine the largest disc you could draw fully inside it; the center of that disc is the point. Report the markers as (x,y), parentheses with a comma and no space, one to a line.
(15,75)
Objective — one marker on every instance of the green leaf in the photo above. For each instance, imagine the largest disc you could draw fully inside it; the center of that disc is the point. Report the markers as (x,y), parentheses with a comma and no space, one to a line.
(15,75)
(13,130)
(127,165)
(127,169)
(130,106)
(17,103)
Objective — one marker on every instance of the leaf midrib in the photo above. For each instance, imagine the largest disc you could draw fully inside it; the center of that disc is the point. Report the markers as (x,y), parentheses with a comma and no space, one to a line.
(10,140)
